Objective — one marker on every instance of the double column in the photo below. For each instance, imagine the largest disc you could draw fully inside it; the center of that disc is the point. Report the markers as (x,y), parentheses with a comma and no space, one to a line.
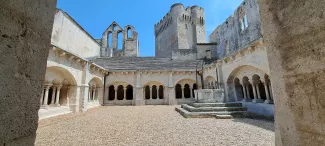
(269,98)
(55,98)
(92,95)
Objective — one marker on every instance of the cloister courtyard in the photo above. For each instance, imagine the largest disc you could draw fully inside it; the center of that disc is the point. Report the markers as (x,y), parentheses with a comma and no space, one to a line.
(150,125)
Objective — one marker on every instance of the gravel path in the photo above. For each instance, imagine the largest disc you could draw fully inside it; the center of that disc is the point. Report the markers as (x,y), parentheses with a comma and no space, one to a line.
(150,125)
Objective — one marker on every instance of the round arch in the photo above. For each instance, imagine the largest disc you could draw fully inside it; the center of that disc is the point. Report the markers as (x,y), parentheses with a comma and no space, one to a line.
(59,75)
(182,82)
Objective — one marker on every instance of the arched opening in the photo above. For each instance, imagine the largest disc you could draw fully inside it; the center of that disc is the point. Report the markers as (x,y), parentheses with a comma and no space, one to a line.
(110,40)
(120,92)
(120,40)
(178,91)
(260,91)
(187,91)
(56,88)
(129,92)
(129,32)
(249,88)
(114,27)
(154,92)
(161,92)
(238,89)
(111,93)
(147,92)
(194,88)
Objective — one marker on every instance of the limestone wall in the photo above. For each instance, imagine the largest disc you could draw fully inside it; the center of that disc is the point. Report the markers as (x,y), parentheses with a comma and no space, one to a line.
(69,35)
(25,30)
(232,32)
(294,33)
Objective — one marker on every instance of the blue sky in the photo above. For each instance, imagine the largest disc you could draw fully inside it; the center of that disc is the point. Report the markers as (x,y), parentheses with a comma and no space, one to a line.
(96,15)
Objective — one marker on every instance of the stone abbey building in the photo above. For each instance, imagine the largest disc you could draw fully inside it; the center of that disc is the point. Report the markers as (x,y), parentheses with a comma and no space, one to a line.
(84,72)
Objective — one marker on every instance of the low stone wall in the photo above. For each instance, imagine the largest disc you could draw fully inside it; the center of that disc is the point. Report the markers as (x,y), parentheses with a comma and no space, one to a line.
(260,110)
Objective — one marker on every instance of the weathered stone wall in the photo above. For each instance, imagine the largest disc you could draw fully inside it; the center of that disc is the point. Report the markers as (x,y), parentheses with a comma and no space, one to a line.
(294,34)
(231,30)
(69,35)
(25,31)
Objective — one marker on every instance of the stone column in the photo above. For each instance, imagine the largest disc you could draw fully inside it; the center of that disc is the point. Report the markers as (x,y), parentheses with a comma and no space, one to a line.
(183,93)
(53,95)
(271,93)
(235,92)
(46,96)
(89,94)
(254,93)
(42,97)
(247,93)
(157,92)
(94,93)
(57,101)
(268,100)
(150,87)
(258,91)
(115,89)
(191,94)
(124,93)
(244,92)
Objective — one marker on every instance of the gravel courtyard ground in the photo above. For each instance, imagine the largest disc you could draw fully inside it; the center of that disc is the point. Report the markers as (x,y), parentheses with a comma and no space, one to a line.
(150,125)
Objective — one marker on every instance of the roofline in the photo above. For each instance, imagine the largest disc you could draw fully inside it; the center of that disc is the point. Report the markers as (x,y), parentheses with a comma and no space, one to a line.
(77,24)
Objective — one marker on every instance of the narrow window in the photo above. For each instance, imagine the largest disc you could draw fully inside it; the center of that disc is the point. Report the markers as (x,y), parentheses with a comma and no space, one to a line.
(110,39)
(120,41)
(130,33)
(246,21)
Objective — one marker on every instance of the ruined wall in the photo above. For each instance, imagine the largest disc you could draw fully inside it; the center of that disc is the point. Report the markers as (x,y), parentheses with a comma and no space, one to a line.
(294,33)
(232,32)
(25,30)
(110,46)
(69,35)
(181,28)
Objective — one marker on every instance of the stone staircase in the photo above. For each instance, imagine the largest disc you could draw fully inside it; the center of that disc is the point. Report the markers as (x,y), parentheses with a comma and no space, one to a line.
(215,110)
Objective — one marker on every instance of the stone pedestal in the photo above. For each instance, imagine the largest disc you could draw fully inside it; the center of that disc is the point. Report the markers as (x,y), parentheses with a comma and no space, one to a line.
(209,95)
(258,101)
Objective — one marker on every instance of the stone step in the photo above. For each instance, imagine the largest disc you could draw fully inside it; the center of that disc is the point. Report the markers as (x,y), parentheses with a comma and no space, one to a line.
(235,104)
(188,114)
(211,109)
(229,116)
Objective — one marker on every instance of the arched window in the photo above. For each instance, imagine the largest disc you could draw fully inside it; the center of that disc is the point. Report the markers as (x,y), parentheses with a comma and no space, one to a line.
(129,32)
(154,92)
(178,91)
(194,88)
(111,93)
(129,92)
(114,27)
(120,41)
(147,92)
(161,92)
(243,19)
(120,93)
(110,40)
(187,91)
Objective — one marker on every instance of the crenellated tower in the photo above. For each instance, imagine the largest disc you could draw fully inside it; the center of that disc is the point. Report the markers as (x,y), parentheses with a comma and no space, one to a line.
(180,28)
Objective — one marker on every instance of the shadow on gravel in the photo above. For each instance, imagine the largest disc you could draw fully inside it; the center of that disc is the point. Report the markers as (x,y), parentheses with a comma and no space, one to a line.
(265,124)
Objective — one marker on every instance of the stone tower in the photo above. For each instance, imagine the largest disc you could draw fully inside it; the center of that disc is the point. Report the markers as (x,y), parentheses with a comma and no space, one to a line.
(180,28)
(130,43)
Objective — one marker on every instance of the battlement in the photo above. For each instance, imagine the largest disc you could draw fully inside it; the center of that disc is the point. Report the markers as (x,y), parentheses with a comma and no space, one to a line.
(177,10)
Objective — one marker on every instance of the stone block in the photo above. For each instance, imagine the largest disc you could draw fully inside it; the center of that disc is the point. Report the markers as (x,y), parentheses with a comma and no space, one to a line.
(210,95)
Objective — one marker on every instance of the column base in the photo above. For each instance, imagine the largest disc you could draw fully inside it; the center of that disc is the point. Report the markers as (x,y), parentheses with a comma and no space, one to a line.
(247,100)
(44,106)
(258,101)
(268,102)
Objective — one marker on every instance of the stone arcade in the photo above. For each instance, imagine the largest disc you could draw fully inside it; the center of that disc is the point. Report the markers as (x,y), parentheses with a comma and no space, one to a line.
(292,33)
(83,72)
